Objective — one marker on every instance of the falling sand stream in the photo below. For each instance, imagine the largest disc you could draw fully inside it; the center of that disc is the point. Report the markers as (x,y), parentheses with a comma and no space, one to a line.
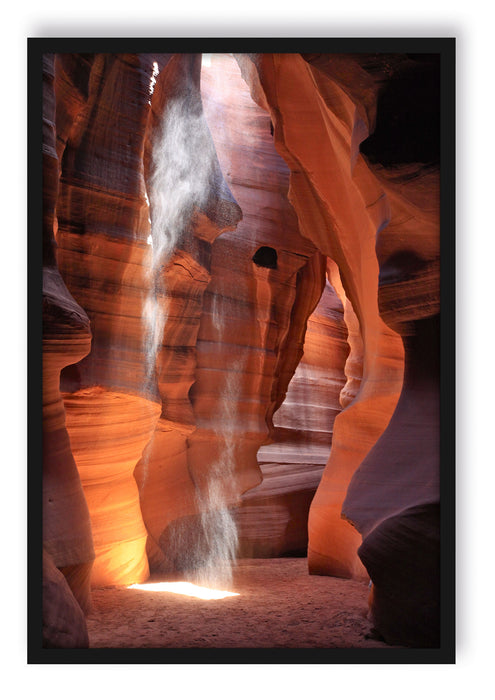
(180,183)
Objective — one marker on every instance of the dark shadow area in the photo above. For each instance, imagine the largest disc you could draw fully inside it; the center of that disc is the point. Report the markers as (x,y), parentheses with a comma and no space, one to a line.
(408,115)
(266,257)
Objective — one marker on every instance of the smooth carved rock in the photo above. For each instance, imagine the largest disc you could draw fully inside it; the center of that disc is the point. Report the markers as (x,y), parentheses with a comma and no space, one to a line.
(102,253)
(266,280)
(272,518)
(393,499)
(109,431)
(66,525)
(340,206)
(64,624)
(402,555)
(66,339)
(394,496)
(402,469)
(393,474)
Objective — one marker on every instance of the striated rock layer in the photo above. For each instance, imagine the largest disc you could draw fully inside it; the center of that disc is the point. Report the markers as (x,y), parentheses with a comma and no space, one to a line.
(272,518)
(67,538)
(102,212)
(266,280)
(340,206)
(383,471)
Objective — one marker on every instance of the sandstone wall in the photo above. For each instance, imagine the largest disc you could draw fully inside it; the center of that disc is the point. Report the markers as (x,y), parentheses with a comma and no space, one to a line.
(340,206)
(67,538)
(266,301)
(103,224)
(382,475)
(272,518)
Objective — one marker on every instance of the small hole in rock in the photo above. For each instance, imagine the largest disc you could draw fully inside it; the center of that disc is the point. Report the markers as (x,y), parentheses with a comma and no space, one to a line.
(266,257)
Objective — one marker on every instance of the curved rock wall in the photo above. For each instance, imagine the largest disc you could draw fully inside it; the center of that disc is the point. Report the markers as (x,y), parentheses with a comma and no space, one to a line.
(401,537)
(64,624)
(102,253)
(383,471)
(272,518)
(340,206)
(67,539)
(265,303)
(394,496)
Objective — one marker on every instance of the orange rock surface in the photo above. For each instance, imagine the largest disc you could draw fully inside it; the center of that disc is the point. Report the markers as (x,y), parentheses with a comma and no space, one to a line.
(340,206)
(67,536)
(272,518)
(264,303)
(108,432)
(103,223)
(383,471)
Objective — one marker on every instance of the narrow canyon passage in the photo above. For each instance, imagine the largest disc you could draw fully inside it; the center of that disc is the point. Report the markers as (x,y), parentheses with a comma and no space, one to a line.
(240,352)
(278,606)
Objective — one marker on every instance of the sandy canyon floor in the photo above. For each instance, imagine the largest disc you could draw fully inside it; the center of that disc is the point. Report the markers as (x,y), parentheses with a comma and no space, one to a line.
(279,606)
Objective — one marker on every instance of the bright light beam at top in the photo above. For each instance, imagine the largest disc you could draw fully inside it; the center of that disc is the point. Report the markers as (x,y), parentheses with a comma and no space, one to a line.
(184,588)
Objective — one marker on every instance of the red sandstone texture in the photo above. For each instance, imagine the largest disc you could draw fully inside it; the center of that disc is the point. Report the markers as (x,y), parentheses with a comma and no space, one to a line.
(67,537)
(300,276)
(102,218)
(397,208)
(272,518)
(340,206)
(272,305)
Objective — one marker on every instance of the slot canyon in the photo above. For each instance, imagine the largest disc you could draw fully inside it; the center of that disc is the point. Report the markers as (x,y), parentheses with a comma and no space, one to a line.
(241,327)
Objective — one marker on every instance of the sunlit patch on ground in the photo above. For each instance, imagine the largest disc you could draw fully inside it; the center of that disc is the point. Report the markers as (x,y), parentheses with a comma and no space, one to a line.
(184,588)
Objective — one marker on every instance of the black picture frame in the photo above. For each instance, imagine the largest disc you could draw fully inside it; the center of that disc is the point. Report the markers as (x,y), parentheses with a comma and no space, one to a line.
(36,47)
